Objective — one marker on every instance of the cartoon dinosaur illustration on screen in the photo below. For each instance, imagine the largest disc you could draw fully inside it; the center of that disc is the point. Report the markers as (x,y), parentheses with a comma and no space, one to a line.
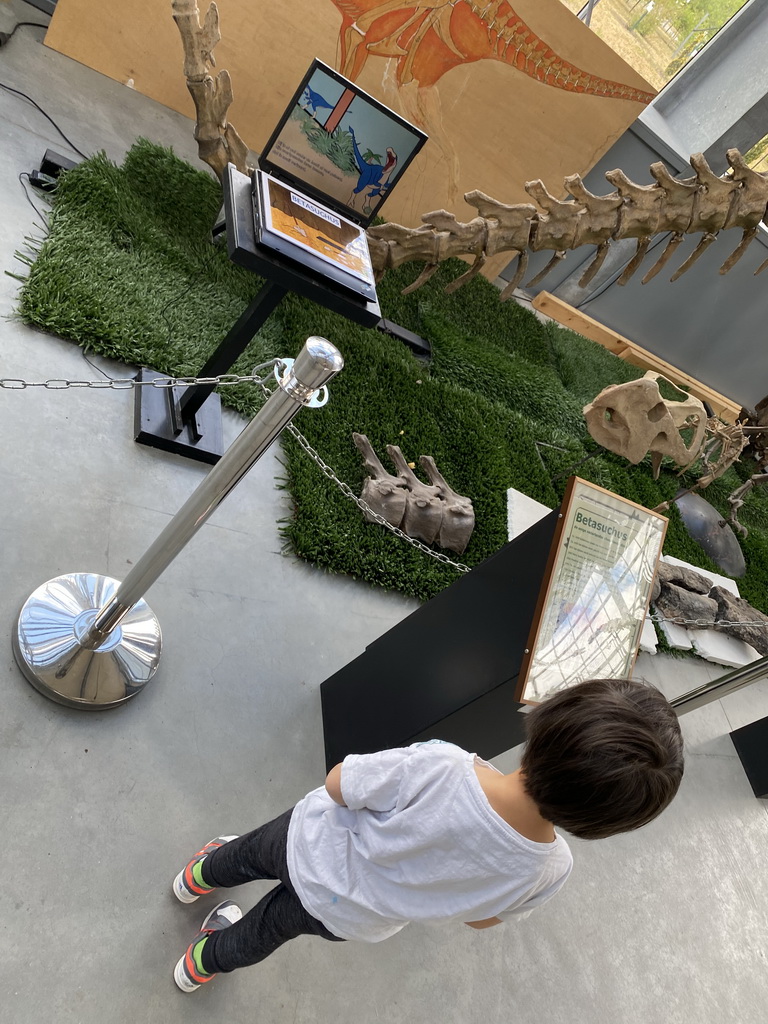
(373,176)
(312,101)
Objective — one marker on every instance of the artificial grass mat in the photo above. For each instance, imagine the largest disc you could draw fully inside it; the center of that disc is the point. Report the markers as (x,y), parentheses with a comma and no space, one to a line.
(127,270)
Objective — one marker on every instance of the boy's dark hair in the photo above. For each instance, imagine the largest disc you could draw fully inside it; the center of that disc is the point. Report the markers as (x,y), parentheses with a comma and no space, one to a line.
(602,757)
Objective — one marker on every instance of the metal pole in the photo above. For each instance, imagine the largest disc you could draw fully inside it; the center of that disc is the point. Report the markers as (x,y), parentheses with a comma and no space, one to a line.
(585,14)
(720,687)
(86,641)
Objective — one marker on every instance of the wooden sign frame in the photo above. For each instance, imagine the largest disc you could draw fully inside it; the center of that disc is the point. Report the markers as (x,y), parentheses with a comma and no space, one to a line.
(595,593)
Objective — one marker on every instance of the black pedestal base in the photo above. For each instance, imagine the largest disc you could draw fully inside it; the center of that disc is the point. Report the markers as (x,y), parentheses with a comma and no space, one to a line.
(751,744)
(156,422)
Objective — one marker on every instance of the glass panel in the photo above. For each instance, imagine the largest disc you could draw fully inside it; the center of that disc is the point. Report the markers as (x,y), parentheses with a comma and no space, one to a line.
(658,37)
(757,157)
(597,592)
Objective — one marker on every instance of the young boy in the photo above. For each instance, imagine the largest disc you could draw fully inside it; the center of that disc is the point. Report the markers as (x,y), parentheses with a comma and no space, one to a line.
(433,834)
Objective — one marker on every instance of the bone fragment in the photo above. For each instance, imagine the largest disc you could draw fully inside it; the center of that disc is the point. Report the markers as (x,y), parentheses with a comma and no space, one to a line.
(699,251)
(218,141)
(386,494)
(637,259)
(458,514)
(738,252)
(600,253)
(424,508)
(431,512)
(543,273)
(633,419)
(669,250)
(522,267)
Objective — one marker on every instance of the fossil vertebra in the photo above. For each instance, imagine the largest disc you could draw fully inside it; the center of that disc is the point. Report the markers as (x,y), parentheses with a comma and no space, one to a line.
(704,204)
(700,205)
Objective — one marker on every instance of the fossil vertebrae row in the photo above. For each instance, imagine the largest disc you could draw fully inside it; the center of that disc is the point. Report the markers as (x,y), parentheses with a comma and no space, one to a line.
(703,204)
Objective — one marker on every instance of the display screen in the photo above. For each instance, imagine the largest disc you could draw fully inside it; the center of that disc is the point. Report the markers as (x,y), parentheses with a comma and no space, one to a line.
(341,145)
(314,229)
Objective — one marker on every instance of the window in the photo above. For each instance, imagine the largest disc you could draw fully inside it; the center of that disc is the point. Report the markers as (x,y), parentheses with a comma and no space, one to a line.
(656,37)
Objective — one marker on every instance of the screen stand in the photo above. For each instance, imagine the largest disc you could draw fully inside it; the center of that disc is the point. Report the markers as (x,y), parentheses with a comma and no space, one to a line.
(190,423)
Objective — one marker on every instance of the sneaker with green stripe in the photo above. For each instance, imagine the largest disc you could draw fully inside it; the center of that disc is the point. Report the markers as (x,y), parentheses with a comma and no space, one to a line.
(188,972)
(188,885)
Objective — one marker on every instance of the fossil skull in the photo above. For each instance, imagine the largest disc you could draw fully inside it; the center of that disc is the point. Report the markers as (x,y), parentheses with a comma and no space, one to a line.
(633,419)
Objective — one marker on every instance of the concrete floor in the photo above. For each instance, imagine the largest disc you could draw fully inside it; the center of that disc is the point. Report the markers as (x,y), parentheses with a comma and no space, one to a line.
(99,811)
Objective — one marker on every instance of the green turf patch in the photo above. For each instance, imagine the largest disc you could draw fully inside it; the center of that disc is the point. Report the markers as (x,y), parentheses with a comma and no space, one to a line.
(127,270)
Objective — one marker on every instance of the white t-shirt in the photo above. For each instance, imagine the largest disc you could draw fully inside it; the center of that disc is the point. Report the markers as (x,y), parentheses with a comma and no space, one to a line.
(417,841)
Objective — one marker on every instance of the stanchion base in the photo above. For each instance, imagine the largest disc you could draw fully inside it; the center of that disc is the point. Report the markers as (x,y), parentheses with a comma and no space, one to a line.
(153,424)
(47,644)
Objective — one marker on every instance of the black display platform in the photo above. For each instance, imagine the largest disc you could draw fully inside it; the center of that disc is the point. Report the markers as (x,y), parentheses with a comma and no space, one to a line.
(191,425)
(751,743)
(243,250)
(449,670)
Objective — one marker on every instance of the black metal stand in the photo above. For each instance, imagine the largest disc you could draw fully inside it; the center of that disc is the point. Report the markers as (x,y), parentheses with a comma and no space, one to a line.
(190,424)
(449,671)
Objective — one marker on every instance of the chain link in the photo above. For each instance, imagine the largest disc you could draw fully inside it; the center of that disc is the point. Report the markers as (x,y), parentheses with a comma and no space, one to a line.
(705,623)
(126,383)
(228,379)
(224,380)
(347,491)
(365,507)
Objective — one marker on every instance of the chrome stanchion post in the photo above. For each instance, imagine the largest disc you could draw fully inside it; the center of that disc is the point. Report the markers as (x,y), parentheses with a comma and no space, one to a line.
(720,687)
(88,641)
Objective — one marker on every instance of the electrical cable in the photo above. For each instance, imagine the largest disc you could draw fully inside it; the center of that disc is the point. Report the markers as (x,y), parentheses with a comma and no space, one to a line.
(17,92)
(24,174)
(95,367)
(5,37)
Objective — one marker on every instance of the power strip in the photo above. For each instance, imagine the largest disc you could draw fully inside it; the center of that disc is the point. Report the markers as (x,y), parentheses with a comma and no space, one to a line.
(51,166)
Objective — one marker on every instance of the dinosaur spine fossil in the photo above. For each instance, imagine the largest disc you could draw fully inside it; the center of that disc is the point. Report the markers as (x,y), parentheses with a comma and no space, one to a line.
(704,204)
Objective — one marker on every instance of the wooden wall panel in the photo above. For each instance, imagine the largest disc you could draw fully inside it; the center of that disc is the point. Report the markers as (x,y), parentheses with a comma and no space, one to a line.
(492,127)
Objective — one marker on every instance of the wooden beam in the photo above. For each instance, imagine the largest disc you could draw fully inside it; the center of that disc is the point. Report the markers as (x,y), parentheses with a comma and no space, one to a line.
(622,347)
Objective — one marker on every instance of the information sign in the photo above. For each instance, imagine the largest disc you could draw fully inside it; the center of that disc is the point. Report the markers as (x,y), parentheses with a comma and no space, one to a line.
(595,593)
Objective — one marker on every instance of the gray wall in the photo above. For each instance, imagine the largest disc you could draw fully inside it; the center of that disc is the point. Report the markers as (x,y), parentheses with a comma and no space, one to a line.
(712,326)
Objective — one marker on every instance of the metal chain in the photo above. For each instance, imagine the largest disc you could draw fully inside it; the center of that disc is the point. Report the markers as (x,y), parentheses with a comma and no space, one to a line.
(126,383)
(704,624)
(347,491)
(365,507)
(223,380)
(226,379)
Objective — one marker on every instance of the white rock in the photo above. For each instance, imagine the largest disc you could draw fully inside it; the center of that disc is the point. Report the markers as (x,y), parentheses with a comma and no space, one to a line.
(722,649)
(648,638)
(677,636)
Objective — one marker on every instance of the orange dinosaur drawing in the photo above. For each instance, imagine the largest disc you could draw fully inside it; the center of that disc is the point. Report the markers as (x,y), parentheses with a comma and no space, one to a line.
(427,38)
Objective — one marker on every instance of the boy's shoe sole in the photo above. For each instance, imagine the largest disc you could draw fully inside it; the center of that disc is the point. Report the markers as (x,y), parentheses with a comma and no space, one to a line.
(185,973)
(185,888)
